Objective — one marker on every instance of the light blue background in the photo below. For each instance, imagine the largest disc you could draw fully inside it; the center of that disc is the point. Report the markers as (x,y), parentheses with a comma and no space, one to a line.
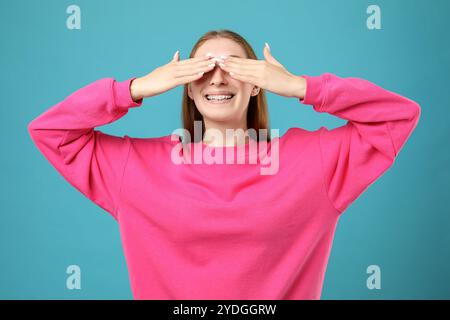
(401,223)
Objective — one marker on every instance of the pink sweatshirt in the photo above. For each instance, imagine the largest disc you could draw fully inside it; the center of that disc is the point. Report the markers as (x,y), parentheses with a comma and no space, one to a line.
(225,231)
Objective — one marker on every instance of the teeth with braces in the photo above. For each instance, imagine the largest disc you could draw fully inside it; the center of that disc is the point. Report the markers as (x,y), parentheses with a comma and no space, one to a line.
(223,97)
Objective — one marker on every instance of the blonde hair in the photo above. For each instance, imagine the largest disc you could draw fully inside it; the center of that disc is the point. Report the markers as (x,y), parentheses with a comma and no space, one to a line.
(257,113)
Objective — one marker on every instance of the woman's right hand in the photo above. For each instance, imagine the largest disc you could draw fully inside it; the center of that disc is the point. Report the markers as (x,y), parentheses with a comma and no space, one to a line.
(171,75)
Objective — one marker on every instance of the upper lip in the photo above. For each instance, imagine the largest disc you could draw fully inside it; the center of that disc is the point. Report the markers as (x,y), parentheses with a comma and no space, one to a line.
(224,92)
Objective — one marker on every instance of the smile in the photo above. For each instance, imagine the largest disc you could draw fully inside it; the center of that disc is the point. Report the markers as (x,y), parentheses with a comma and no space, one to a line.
(219,99)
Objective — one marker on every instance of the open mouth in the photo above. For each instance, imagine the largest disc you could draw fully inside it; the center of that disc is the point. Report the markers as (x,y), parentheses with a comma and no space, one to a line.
(219,99)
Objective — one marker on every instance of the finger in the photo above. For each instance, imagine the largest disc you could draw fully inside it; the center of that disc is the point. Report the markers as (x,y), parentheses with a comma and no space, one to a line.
(243,61)
(176,56)
(183,72)
(247,74)
(191,78)
(196,64)
(251,67)
(244,78)
(270,58)
(247,70)
(193,60)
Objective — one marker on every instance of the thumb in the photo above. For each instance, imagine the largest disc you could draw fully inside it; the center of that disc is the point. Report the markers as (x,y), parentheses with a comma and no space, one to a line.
(268,56)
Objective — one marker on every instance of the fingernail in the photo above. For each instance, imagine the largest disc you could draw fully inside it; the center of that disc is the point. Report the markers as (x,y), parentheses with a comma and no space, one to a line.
(175,53)
(267,45)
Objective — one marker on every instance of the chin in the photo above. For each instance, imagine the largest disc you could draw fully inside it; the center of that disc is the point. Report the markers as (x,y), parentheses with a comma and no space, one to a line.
(219,115)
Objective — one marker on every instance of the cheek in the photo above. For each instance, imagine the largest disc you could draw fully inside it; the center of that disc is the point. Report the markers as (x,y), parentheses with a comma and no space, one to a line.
(200,82)
(245,93)
(194,89)
(244,87)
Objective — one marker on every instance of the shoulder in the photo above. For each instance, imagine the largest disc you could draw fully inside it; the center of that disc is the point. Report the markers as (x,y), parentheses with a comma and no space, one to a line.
(298,141)
(296,136)
(323,133)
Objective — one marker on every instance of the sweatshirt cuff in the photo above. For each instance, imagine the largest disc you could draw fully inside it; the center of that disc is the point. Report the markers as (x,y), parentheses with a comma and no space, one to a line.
(122,94)
(315,91)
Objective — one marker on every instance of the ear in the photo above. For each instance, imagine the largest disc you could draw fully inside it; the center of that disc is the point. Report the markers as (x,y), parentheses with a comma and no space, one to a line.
(255,91)
(190,92)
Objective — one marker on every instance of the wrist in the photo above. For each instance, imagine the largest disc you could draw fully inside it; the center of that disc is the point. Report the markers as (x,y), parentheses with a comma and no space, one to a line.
(134,90)
(299,87)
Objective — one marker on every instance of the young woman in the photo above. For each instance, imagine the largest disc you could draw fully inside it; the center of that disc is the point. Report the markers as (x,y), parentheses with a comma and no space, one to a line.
(224,230)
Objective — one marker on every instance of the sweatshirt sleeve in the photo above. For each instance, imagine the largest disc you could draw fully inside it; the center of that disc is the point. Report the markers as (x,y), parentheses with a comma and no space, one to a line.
(379,123)
(90,160)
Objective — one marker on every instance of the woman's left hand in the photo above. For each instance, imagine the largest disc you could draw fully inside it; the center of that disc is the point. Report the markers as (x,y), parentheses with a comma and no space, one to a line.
(267,74)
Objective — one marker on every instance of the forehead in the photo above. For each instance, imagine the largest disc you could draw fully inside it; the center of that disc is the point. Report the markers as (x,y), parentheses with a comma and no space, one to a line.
(221,46)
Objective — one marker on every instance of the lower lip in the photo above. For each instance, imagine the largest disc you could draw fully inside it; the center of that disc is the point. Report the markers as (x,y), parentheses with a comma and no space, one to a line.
(225,101)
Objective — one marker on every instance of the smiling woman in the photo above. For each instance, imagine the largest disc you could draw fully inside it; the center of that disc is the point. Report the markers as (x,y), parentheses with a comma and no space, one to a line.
(246,109)
(226,231)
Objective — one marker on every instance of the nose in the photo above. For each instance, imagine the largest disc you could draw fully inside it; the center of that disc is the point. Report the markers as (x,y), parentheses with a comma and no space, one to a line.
(218,75)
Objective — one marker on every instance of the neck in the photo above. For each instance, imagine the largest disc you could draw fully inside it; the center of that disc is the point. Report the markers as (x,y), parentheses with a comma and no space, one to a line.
(216,134)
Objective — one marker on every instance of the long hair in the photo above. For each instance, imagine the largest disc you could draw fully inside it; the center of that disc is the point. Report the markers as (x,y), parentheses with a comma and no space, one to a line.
(257,114)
